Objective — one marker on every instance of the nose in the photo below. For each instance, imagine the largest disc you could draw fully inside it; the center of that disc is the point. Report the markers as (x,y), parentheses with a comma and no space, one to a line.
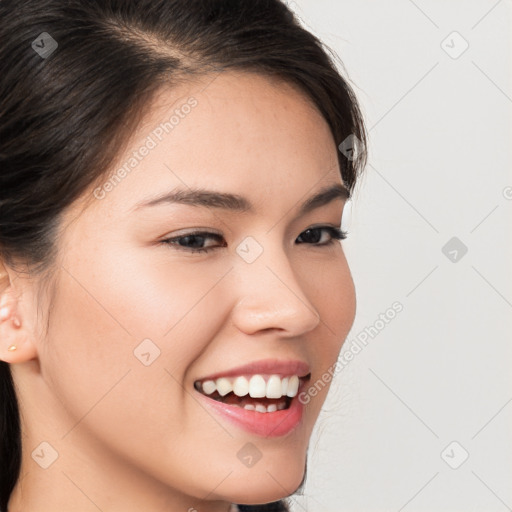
(272,296)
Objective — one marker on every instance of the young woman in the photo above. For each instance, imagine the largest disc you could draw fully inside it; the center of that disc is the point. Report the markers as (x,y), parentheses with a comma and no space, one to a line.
(173,293)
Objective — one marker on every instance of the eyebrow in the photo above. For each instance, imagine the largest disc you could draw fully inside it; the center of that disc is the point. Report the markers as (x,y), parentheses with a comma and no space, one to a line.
(226,201)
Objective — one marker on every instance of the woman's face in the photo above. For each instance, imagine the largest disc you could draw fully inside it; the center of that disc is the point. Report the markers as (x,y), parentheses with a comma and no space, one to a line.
(136,321)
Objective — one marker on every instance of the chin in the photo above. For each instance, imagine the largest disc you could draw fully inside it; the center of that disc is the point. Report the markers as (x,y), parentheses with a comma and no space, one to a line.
(267,485)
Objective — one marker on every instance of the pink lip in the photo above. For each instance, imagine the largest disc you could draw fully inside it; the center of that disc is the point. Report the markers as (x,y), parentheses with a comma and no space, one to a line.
(268,424)
(266,366)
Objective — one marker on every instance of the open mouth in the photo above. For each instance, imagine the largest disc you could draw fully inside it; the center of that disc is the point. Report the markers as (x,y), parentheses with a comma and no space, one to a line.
(260,393)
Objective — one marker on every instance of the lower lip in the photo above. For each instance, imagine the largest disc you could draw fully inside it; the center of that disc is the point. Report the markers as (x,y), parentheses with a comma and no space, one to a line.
(266,424)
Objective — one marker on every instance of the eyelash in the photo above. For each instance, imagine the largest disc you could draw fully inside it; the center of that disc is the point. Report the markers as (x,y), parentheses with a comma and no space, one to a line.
(336,234)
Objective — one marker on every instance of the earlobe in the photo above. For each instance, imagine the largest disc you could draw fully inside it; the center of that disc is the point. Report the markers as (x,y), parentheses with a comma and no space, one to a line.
(14,345)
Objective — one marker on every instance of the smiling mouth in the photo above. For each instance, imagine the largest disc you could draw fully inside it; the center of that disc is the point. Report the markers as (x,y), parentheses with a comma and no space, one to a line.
(258,393)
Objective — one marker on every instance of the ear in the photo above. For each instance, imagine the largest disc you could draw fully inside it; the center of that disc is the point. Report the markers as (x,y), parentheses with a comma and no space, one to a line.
(16,344)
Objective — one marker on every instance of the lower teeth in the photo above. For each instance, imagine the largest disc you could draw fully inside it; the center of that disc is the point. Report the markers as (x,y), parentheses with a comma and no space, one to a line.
(262,408)
(248,404)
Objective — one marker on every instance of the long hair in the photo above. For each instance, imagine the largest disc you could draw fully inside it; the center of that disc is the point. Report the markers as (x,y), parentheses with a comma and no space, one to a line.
(76,76)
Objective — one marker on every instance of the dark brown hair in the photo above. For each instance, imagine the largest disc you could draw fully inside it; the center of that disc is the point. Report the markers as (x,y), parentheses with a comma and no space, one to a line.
(65,114)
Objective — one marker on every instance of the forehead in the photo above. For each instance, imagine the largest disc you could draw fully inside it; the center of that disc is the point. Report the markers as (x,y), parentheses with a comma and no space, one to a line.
(245,106)
(232,131)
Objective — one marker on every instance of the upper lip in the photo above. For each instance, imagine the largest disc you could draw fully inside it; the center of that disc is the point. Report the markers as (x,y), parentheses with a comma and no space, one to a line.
(266,366)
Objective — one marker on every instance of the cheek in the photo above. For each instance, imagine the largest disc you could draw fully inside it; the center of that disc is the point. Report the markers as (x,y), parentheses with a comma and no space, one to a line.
(89,352)
(332,292)
(335,300)
(127,327)
(105,390)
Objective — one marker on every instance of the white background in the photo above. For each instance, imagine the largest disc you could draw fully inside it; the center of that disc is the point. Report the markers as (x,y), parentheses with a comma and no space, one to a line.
(440,131)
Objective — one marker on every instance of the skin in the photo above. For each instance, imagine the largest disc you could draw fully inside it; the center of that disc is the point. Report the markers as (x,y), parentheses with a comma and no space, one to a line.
(132,437)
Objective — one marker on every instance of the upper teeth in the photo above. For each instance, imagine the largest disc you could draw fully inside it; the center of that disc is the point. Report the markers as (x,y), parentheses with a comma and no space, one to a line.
(255,386)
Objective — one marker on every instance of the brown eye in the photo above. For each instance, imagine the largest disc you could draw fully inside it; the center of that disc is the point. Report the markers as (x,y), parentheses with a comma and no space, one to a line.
(313,234)
(193,242)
